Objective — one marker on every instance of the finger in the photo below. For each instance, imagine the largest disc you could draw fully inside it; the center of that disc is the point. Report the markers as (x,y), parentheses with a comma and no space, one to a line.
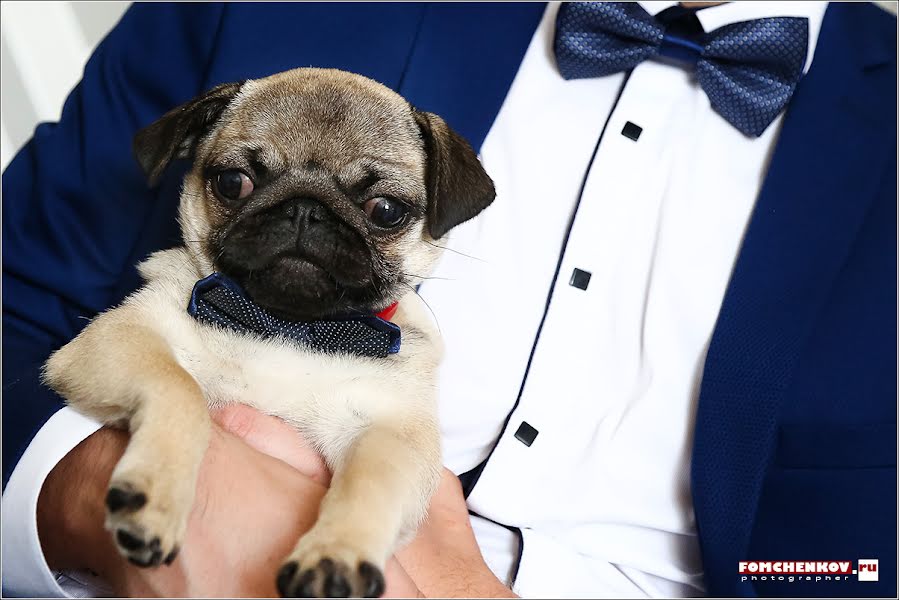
(272,436)
(399,584)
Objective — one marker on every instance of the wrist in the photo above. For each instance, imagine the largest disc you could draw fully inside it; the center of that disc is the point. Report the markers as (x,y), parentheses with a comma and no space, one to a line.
(450,568)
(481,582)
(70,507)
(489,586)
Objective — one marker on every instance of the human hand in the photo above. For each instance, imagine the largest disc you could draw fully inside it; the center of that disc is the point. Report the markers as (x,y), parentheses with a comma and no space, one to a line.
(444,560)
(258,492)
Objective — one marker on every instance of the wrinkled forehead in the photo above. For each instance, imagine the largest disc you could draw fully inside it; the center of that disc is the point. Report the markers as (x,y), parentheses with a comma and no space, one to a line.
(320,118)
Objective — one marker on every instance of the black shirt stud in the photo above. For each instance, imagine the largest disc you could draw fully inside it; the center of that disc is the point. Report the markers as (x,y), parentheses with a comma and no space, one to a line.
(579,279)
(526,434)
(632,131)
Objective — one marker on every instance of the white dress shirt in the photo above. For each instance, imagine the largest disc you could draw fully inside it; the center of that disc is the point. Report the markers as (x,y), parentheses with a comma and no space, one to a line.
(599,503)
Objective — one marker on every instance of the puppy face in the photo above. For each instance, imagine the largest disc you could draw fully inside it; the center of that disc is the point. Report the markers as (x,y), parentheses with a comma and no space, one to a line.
(319,191)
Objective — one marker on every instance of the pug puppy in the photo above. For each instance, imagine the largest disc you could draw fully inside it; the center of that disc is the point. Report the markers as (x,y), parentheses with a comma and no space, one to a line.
(320,193)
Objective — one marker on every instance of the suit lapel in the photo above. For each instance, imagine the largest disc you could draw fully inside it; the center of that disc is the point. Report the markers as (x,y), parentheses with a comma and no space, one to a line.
(822,177)
(464,60)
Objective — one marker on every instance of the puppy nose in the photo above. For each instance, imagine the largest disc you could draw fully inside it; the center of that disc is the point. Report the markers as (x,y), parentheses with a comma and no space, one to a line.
(304,211)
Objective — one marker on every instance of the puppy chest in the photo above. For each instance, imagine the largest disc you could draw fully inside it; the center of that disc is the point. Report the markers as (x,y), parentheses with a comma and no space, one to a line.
(285,380)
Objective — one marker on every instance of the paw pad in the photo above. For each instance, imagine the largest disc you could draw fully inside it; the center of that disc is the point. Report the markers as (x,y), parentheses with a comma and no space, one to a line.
(118,499)
(372,580)
(330,579)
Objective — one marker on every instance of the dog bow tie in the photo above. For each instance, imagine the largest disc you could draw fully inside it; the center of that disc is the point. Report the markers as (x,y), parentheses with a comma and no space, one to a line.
(220,301)
(748,69)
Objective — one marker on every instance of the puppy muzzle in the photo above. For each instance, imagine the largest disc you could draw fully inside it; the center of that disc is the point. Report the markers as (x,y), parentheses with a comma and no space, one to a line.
(297,257)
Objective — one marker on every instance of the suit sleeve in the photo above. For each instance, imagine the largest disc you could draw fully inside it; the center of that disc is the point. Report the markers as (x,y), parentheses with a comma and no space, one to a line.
(75,203)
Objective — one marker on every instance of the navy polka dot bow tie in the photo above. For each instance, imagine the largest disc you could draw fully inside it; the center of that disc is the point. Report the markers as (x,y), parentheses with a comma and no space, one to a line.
(748,69)
(220,301)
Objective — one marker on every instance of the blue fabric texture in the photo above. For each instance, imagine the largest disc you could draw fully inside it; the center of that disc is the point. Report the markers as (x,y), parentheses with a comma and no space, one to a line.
(798,396)
(795,439)
(218,300)
(748,69)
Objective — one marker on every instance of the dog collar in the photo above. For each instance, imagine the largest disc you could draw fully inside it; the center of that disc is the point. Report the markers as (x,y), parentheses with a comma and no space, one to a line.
(387,313)
(218,300)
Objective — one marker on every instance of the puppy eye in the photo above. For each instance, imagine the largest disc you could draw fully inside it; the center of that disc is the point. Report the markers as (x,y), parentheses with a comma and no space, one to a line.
(233,184)
(386,212)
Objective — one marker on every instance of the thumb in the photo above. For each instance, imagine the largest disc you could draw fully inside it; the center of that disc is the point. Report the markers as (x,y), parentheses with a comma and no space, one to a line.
(274,437)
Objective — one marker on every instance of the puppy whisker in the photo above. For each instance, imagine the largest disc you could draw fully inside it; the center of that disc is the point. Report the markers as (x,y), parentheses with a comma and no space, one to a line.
(433,314)
(423,278)
(454,251)
(219,255)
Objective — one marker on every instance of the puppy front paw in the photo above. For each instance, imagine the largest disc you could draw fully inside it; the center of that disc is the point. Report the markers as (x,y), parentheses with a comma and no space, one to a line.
(147,528)
(329,573)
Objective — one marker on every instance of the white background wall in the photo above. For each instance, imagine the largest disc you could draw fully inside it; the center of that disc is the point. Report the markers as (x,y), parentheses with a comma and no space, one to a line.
(44,48)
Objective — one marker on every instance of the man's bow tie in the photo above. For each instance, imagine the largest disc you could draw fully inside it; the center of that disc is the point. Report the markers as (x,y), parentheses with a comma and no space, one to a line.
(748,69)
(220,301)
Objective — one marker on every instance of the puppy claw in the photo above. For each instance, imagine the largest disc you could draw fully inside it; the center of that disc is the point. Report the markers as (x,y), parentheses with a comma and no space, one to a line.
(152,560)
(138,551)
(285,577)
(372,580)
(131,542)
(335,585)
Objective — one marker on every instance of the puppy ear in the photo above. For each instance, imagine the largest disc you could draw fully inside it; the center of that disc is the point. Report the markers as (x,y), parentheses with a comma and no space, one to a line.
(458,186)
(176,133)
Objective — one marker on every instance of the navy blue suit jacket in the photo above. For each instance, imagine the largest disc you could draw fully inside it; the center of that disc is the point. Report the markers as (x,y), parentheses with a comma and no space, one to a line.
(795,444)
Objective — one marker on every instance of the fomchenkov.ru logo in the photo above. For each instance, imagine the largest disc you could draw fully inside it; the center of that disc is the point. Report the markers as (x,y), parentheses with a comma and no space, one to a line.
(808,570)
